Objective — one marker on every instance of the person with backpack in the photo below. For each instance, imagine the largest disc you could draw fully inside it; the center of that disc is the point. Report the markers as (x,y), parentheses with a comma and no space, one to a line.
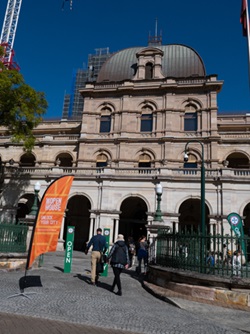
(119,259)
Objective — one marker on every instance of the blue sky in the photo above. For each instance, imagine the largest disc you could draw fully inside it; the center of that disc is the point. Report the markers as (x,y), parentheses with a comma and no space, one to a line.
(50,43)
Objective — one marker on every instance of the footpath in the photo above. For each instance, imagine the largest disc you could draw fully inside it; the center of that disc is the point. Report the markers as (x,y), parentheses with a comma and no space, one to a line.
(67,303)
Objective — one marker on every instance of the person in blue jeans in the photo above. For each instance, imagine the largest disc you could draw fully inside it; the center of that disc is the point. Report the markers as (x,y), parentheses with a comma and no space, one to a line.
(142,255)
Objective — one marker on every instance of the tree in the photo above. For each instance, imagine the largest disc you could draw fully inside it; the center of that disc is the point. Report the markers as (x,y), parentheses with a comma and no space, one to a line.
(21,107)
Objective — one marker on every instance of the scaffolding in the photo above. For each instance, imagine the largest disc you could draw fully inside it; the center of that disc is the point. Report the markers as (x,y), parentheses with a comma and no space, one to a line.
(74,102)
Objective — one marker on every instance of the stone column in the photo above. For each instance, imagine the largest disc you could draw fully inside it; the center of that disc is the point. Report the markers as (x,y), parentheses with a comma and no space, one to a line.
(60,244)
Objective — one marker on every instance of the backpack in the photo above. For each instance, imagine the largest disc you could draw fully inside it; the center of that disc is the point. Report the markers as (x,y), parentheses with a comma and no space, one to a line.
(119,255)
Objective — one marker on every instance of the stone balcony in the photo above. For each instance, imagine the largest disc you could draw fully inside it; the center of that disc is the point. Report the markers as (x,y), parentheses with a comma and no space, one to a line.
(177,174)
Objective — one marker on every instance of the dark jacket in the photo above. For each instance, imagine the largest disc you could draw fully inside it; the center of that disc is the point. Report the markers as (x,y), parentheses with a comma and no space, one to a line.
(119,254)
(98,242)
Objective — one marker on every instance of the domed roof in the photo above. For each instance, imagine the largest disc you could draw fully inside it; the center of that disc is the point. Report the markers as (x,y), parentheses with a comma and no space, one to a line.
(178,61)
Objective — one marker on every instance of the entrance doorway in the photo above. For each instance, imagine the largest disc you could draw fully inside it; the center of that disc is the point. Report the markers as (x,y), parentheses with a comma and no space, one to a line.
(78,215)
(190,215)
(133,218)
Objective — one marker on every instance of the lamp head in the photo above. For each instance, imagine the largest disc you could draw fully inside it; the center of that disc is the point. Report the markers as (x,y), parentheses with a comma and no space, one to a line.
(37,186)
(185,157)
(158,189)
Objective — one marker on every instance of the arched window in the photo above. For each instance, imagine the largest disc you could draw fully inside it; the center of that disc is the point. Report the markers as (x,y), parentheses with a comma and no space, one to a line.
(238,160)
(146,119)
(105,123)
(64,160)
(144,161)
(149,71)
(192,162)
(27,160)
(101,160)
(146,123)
(105,120)
(190,118)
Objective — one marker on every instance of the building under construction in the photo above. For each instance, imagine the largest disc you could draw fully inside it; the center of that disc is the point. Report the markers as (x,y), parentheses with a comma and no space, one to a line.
(73,102)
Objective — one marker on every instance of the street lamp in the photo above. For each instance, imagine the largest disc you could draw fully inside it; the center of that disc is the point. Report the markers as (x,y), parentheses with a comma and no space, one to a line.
(158,191)
(202,197)
(34,208)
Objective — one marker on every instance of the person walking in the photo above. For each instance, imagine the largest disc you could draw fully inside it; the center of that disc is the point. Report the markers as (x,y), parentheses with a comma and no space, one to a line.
(119,259)
(131,251)
(236,262)
(98,242)
(142,255)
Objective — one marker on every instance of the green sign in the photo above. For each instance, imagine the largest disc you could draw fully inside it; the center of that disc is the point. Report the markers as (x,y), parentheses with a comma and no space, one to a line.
(69,249)
(236,225)
(106,233)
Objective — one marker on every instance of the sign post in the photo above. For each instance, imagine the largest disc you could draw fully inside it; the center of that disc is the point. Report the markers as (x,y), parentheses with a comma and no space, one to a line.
(106,233)
(69,249)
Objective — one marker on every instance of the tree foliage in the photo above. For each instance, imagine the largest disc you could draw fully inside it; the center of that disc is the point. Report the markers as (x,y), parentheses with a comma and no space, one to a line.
(21,107)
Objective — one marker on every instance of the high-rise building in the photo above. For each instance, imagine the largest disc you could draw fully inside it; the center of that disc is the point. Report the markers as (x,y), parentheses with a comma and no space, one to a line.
(73,101)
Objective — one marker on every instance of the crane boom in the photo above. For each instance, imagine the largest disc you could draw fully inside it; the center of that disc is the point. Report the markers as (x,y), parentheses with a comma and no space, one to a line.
(9,29)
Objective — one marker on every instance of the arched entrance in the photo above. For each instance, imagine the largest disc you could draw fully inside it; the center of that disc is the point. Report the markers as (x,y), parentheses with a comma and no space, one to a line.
(190,215)
(133,218)
(78,215)
(246,227)
(25,204)
(246,214)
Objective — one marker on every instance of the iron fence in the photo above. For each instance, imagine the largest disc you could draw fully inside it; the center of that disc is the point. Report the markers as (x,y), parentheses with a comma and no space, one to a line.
(13,238)
(224,255)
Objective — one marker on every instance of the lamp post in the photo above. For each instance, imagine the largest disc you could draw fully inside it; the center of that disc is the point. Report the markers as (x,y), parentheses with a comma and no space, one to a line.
(158,191)
(34,208)
(202,254)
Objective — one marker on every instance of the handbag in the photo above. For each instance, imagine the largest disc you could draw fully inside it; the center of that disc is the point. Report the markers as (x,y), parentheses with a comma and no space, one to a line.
(104,258)
(99,267)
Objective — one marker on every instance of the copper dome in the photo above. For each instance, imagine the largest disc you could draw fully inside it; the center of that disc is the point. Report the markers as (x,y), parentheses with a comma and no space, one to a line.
(179,61)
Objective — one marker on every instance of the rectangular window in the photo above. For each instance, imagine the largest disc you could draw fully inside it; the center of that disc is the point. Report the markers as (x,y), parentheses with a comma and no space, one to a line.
(105,124)
(101,163)
(146,123)
(190,122)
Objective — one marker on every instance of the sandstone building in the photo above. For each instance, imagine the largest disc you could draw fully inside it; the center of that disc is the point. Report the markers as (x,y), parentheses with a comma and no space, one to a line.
(146,105)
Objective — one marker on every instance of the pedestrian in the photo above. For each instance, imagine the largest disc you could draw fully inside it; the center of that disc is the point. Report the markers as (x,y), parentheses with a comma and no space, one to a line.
(142,255)
(225,255)
(236,262)
(131,251)
(119,259)
(98,243)
(210,261)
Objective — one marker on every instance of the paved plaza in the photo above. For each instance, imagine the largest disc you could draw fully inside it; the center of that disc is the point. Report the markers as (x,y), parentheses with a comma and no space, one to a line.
(67,303)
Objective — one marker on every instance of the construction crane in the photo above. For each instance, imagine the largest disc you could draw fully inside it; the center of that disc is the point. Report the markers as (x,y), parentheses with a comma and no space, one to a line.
(8,33)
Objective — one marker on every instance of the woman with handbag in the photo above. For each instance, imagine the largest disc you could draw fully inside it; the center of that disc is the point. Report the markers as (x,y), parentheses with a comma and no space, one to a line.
(119,259)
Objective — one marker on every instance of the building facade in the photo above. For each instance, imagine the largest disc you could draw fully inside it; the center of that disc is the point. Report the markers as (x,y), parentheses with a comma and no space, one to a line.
(146,108)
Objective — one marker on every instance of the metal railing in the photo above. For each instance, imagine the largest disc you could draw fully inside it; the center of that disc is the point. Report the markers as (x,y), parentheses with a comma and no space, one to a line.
(182,250)
(13,238)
